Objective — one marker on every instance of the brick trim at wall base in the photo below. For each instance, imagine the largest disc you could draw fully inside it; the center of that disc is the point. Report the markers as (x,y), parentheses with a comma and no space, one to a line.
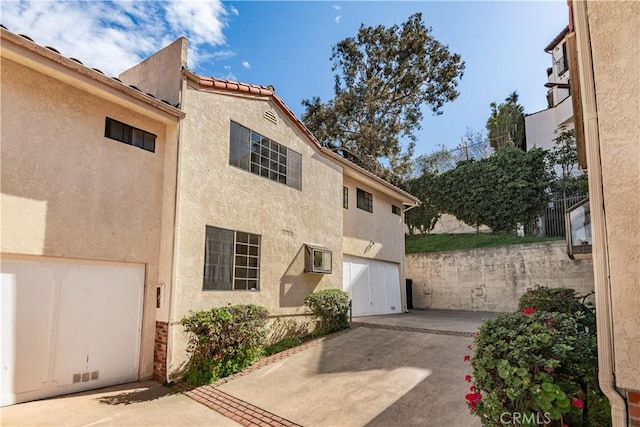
(633,401)
(160,352)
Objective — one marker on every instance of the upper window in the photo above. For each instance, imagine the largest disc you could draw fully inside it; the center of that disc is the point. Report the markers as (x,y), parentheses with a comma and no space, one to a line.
(395,210)
(231,260)
(129,135)
(364,200)
(255,153)
(345,197)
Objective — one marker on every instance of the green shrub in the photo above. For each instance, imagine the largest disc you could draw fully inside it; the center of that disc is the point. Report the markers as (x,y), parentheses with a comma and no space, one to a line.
(330,307)
(283,345)
(532,362)
(559,300)
(223,341)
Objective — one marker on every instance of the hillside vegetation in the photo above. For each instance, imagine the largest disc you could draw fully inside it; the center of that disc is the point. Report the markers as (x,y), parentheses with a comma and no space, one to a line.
(450,242)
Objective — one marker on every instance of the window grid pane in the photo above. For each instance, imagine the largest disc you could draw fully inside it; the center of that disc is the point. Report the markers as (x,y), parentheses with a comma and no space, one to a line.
(262,156)
(232,260)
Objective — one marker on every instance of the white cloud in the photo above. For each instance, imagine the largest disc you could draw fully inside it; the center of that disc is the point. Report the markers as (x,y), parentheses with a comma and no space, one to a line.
(246,64)
(337,19)
(115,35)
(233,10)
(336,7)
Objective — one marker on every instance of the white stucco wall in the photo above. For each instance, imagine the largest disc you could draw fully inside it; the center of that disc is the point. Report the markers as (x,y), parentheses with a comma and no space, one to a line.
(214,193)
(67,191)
(615,45)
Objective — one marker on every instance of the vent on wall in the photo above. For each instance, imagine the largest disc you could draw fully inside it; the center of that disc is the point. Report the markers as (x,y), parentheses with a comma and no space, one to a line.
(271,116)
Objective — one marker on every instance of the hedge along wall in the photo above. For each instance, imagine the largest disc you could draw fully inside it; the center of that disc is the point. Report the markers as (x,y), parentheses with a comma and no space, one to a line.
(492,279)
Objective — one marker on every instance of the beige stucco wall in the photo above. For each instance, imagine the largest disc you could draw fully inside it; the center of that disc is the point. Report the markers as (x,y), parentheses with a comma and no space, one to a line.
(493,279)
(67,191)
(214,193)
(161,73)
(615,44)
(382,227)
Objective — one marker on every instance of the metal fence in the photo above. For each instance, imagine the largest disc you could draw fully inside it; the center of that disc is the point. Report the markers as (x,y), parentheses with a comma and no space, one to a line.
(552,222)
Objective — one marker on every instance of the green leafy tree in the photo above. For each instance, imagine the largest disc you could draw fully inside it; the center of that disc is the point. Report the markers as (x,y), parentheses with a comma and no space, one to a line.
(436,163)
(506,124)
(508,188)
(565,155)
(424,216)
(385,76)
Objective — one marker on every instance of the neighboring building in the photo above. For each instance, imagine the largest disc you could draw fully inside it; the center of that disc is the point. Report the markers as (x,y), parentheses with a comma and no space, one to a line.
(607,48)
(231,200)
(82,223)
(541,127)
(257,196)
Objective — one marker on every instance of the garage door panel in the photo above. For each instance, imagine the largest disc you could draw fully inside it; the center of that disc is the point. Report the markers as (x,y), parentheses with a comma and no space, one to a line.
(374,286)
(92,323)
(123,302)
(392,282)
(360,288)
(378,288)
(26,315)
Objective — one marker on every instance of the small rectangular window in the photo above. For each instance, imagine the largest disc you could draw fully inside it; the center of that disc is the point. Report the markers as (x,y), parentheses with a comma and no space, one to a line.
(364,200)
(129,135)
(395,210)
(345,197)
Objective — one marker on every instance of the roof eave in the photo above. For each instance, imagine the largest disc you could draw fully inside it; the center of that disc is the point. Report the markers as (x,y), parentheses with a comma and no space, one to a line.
(29,54)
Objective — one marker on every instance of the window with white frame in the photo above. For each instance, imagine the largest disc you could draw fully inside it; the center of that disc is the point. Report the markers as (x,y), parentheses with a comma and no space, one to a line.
(231,260)
(258,154)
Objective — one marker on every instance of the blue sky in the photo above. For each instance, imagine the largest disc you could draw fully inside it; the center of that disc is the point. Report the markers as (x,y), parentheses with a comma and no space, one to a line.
(288,44)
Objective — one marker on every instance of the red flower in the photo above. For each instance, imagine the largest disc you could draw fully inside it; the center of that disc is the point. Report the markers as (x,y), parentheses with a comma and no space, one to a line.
(469,347)
(528,311)
(467,378)
(565,425)
(472,388)
(577,403)
(467,357)
(473,399)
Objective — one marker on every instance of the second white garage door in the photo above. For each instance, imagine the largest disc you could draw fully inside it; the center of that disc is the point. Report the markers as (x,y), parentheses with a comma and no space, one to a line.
(67,326)
(374,286)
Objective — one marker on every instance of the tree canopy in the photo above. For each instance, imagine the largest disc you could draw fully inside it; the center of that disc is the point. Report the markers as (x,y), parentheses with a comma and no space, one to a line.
(384,76)
(508,188)
(506,124)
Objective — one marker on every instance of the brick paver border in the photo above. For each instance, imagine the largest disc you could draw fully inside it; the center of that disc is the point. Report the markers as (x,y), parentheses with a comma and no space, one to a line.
(250,415)
(412,329)
(238,410)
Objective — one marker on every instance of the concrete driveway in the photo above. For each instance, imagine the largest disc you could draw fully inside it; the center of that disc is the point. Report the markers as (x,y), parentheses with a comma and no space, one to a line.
(403,369)
(138,404)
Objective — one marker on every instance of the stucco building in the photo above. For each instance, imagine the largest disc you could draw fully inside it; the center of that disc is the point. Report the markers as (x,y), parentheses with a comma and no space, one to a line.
(606,42)
(217,195)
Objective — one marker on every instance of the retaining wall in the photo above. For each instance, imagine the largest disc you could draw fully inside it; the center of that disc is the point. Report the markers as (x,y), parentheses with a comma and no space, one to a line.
(492,279)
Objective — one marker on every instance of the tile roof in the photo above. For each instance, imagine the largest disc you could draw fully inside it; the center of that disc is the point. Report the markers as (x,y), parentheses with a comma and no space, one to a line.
(557,39)
(269,92)
(70,62)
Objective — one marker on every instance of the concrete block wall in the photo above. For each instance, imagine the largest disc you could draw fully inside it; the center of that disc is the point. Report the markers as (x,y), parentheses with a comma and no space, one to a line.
(493,279)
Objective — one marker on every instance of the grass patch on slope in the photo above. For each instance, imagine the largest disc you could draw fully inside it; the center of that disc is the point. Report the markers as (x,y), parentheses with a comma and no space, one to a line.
(452,242)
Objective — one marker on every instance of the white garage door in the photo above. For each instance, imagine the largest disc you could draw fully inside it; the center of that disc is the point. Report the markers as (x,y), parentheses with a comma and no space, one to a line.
(374,286)
(68,326)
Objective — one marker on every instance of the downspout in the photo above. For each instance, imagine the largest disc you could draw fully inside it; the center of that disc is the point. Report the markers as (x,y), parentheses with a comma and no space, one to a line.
(176,224)
(606,350)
